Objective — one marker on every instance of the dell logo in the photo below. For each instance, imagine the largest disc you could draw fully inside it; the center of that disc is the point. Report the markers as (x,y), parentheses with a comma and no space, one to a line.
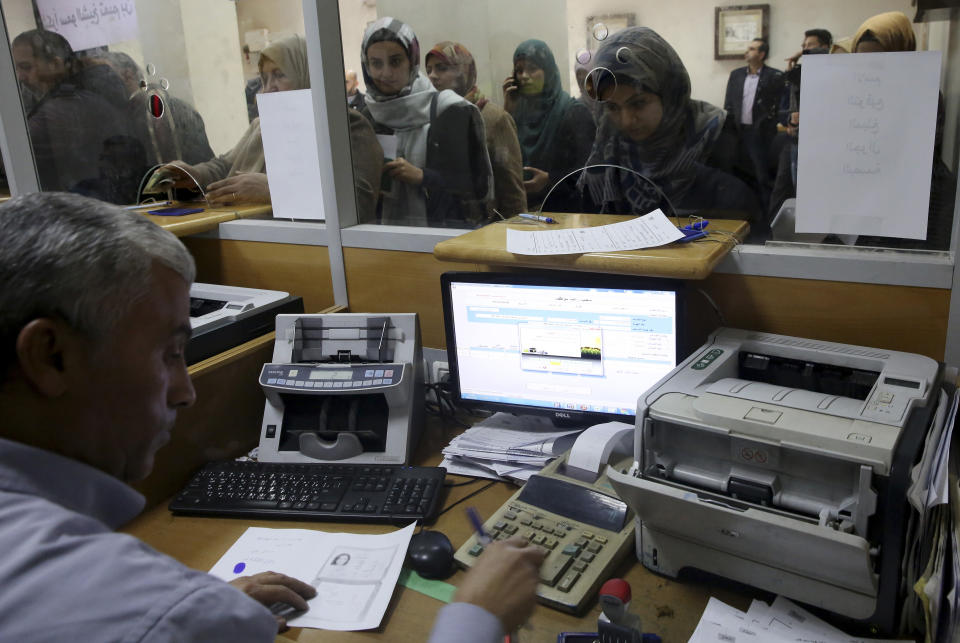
(562,415)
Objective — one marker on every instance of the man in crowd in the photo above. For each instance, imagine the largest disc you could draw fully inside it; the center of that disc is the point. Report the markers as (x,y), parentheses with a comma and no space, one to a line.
(94,320)
(78,114)
(752,99)
(355,98)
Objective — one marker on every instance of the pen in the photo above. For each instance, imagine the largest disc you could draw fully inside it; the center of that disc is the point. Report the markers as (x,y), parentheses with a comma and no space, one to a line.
(147,205)
(482,537)
(537,217)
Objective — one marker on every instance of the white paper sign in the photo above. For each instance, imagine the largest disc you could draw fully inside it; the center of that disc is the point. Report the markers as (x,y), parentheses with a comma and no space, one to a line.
(290,151)
(90,24)
(867,124)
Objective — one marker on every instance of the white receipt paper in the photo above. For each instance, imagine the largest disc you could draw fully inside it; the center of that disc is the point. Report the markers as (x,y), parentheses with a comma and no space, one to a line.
(354,574)
(290,153)
(866,143)
(648,231)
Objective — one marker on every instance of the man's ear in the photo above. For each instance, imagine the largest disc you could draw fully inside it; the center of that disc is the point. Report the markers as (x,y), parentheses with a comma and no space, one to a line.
(44,349)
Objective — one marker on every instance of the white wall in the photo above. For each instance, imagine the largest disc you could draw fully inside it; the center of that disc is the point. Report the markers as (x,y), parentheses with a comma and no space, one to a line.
(490,30)
(280,17)
(688,25)
(18,14)
(355,15)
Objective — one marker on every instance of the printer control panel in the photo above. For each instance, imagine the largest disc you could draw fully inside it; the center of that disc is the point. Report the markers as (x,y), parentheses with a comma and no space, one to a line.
(329,377)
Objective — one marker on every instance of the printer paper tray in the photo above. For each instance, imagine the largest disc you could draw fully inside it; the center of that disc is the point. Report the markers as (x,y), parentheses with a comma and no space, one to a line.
(794,545)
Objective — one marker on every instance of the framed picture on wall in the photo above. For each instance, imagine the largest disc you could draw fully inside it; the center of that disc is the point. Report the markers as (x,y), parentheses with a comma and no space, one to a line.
(601,27)
(736,26)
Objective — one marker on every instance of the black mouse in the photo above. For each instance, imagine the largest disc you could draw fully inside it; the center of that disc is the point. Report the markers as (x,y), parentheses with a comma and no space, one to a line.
(431,555)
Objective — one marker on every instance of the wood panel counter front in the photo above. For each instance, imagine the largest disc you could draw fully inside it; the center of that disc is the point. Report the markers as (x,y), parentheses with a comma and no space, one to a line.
(209,219)
(694,260)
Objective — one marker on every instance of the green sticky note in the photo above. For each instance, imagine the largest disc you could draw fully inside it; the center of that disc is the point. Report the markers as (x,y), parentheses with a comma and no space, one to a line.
(437,589)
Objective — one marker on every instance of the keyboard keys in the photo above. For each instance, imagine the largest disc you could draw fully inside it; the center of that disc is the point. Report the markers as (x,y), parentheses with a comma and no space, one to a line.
(313,491)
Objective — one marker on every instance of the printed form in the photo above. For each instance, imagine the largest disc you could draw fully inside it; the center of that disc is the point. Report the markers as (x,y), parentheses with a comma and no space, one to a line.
(648,231)
(354,574)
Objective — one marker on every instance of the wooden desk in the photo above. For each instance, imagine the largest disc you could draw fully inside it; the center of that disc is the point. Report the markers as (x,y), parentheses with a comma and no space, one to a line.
(668,608)
(695,260)
(210,218)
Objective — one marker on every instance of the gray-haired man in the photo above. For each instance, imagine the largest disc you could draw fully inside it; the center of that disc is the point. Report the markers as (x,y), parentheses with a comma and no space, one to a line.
(94,318)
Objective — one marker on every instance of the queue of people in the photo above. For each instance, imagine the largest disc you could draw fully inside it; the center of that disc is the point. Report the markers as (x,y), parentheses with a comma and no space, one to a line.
(430,149)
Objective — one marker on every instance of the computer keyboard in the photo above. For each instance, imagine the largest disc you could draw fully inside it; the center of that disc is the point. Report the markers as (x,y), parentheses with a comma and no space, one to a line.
(335,492)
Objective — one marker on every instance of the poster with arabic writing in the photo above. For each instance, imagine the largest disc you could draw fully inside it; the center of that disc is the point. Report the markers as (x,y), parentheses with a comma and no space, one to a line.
(867,124)
(90,24)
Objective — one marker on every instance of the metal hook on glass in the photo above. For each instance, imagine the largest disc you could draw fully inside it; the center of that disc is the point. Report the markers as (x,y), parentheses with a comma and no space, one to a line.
(673,210)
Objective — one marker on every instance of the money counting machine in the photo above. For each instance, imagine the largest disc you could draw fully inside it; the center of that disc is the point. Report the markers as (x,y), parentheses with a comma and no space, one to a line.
(222,317)
(343,387)
(783,463)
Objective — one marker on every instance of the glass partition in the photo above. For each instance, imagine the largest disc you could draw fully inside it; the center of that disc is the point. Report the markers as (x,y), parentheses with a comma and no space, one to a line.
(683,106)
(112,89)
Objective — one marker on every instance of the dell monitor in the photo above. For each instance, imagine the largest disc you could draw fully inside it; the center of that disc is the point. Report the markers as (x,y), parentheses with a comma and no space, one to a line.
(578,347)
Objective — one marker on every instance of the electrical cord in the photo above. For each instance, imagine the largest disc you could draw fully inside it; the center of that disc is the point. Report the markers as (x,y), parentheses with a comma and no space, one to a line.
(467,497)
(462,484)
(716,309)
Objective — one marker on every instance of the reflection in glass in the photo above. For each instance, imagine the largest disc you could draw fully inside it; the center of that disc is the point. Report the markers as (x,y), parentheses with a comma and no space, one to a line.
(436,169)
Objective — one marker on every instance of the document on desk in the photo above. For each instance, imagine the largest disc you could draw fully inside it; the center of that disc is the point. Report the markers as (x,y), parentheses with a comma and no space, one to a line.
(777,623)
(648,231)
(354,574)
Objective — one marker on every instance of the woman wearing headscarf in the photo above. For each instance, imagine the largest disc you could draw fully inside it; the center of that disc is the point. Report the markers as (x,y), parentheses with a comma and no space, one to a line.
(893,31)
(441,175)
(555,130)
(239,176)
(449,65)
(650,126)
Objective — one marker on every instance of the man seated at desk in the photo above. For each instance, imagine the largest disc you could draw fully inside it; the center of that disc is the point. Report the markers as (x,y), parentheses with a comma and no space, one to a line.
(94,319)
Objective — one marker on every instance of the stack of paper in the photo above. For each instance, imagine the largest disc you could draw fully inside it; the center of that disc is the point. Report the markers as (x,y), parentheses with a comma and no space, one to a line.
(931,567)
(778,623)
(506,446)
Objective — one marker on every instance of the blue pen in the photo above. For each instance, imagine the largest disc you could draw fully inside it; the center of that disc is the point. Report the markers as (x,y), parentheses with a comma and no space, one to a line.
(482,537)
(537,217)
(698,225)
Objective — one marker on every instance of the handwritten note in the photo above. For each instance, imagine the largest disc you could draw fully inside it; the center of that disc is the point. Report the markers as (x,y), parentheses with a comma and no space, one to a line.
(867,124)
(290,152)
(354,574)
(648,231)
(90,24)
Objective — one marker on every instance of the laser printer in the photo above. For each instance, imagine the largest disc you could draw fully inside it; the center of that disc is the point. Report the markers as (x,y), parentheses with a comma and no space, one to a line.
(222,317)
(343,387)
(783,463)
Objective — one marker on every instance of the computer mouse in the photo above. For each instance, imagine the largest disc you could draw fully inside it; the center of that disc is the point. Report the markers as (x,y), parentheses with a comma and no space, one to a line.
(431,555)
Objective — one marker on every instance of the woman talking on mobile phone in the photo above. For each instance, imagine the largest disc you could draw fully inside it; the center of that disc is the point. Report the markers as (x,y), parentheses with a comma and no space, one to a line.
(555,130)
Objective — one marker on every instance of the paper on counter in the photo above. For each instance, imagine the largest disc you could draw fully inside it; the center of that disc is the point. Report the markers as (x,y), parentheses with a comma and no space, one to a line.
(354,574)
(648,231)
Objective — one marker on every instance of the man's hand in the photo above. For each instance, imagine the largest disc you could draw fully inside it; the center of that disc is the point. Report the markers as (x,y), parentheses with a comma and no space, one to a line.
(250,187)
(181,173)
(538,181)
(504,581)
(792,60)
(404,170)
(270,587)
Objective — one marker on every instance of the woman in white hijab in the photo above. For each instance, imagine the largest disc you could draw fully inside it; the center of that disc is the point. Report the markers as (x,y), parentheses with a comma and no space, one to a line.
(440,175)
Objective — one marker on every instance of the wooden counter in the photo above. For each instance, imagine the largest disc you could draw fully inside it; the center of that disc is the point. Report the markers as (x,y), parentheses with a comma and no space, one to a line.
(694,260)
(209,219)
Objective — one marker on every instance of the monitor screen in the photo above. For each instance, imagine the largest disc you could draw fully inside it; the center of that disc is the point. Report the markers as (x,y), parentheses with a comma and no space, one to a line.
(576,346)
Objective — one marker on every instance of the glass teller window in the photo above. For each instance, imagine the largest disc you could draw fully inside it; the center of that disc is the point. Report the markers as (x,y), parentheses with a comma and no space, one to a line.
(699,109)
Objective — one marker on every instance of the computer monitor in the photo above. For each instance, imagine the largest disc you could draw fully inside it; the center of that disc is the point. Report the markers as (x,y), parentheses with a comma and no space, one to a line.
(579,347)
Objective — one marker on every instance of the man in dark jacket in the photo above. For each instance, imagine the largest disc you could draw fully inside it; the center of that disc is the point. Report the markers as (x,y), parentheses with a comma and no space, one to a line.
(78,111)
(751,102)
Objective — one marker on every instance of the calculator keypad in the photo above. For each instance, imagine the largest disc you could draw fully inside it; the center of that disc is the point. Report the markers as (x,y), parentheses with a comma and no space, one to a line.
(569,548)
